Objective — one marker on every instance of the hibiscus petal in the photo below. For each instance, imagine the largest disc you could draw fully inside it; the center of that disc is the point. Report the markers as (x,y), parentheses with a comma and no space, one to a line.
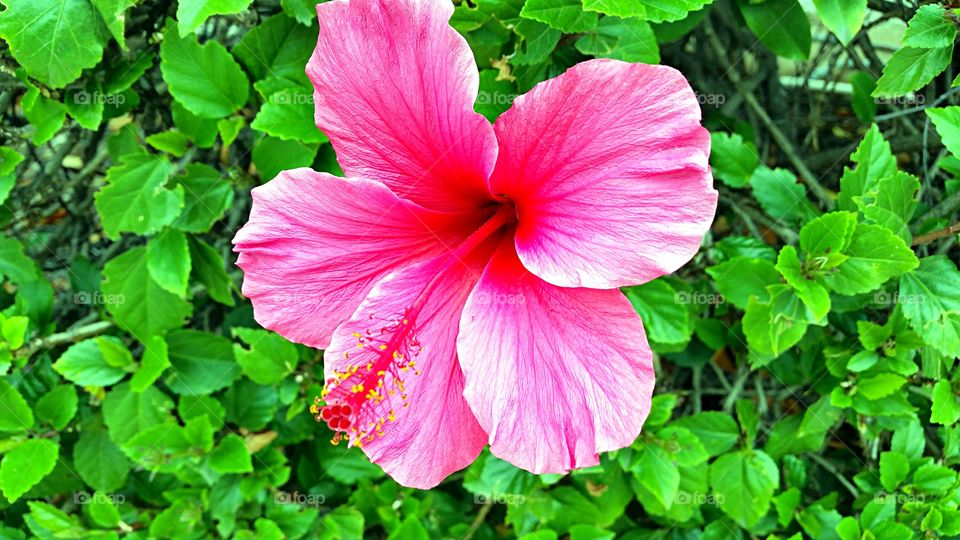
(436,433)
(315,245)
(395,87)
(554,375)
(607,165)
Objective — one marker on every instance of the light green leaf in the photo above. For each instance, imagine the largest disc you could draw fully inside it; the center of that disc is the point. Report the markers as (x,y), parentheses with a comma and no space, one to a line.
(15,414)
(630,40)
(136,302)
(874,255)
(168,261)
(829,233)
(231,456)
(171,141)
(272,155)
(946,409)
(136,199)
(934,478)
(14,265)
(930,298)
(717,431)
(781,25)
(269,358)
(202,131)
(742,277)
(204,78)
(842,17)
(947,122)
(873,160)
(27,464)
(9,159)
(113,14)
(662,309)
(288,118)
(746,481)
(910,69)
(45,115)
(153,363)
(568,16)
(53,39)
(880,385)
(894,468)
(191,14)
(930,28)
(650,10)
(804,282)
(733,160)
(83,364)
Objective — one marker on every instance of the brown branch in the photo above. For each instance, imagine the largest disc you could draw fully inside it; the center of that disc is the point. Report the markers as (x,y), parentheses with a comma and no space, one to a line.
(936,235)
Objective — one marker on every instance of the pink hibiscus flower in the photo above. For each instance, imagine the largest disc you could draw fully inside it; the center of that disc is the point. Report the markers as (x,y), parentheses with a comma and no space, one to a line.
(463,278)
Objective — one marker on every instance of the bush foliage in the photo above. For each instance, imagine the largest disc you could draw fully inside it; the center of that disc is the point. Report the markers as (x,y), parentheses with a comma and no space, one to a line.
(806,357)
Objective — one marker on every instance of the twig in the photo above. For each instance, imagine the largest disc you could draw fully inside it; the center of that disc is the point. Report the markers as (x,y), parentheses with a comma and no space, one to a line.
(805,173)
(836,473)
(903,112)
(70,336)
(936,235)
(481,517)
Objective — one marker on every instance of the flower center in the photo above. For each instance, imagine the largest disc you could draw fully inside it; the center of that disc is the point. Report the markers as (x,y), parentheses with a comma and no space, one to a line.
(359,401)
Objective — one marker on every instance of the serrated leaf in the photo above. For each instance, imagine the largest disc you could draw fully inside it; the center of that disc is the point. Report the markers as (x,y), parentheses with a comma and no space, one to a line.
(191,14)
(650,10)
(127,413)
(285,117)
(910,69)
(947,122)
(231,456)
(630,40)
(136,302)
(205,79)
(894,468)
(15,414)
(742,277)
(781,196)
(874,160)
(27,464)
(930,28)
(99,461)
(930,299)
(58,406)
(746,481)
(874,255)
(135,198)
(113,14)
(568,16)
(207,197)
(200,362)
(732,159)
(83,364)
(268,358)
(946,409)
(660,305)
(53,39)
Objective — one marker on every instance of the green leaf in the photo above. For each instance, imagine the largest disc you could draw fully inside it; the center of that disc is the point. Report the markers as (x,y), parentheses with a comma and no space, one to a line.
(842,17)
(930,298)
(136,199)
(229,128)
(933,478)
(781,25)
(269,358)
(665,316)
(50,522)
(171,141)
(205,79)
(287,117)
(910,69)
(53,39)
(112,13)
(99,461)
(14,265)
(946,409)
(733,160)
(127,413)
(231,456)
(539,40)
(45,115)
(201,362)
(15,414)
(829,233)
(305,11)
(781,196)
(207,197)
(650,10)
(202,131)
(659,474)
(567,16)
(880,386)
(746,481)
(947,122)
(27,464)
(410,529)
(58,406)
(250,405)
(894,468)
(874,255)
(278,47)
(208,269)
(874,161)
(717,431)
(630,40)
(930,28)
(192,14)
(891,203)
(805,284)
(83,364)
(740,278)
(9,159)
(272,155)
(864,106)
(772,328)
(168,261)
(136,302)
(153,363)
